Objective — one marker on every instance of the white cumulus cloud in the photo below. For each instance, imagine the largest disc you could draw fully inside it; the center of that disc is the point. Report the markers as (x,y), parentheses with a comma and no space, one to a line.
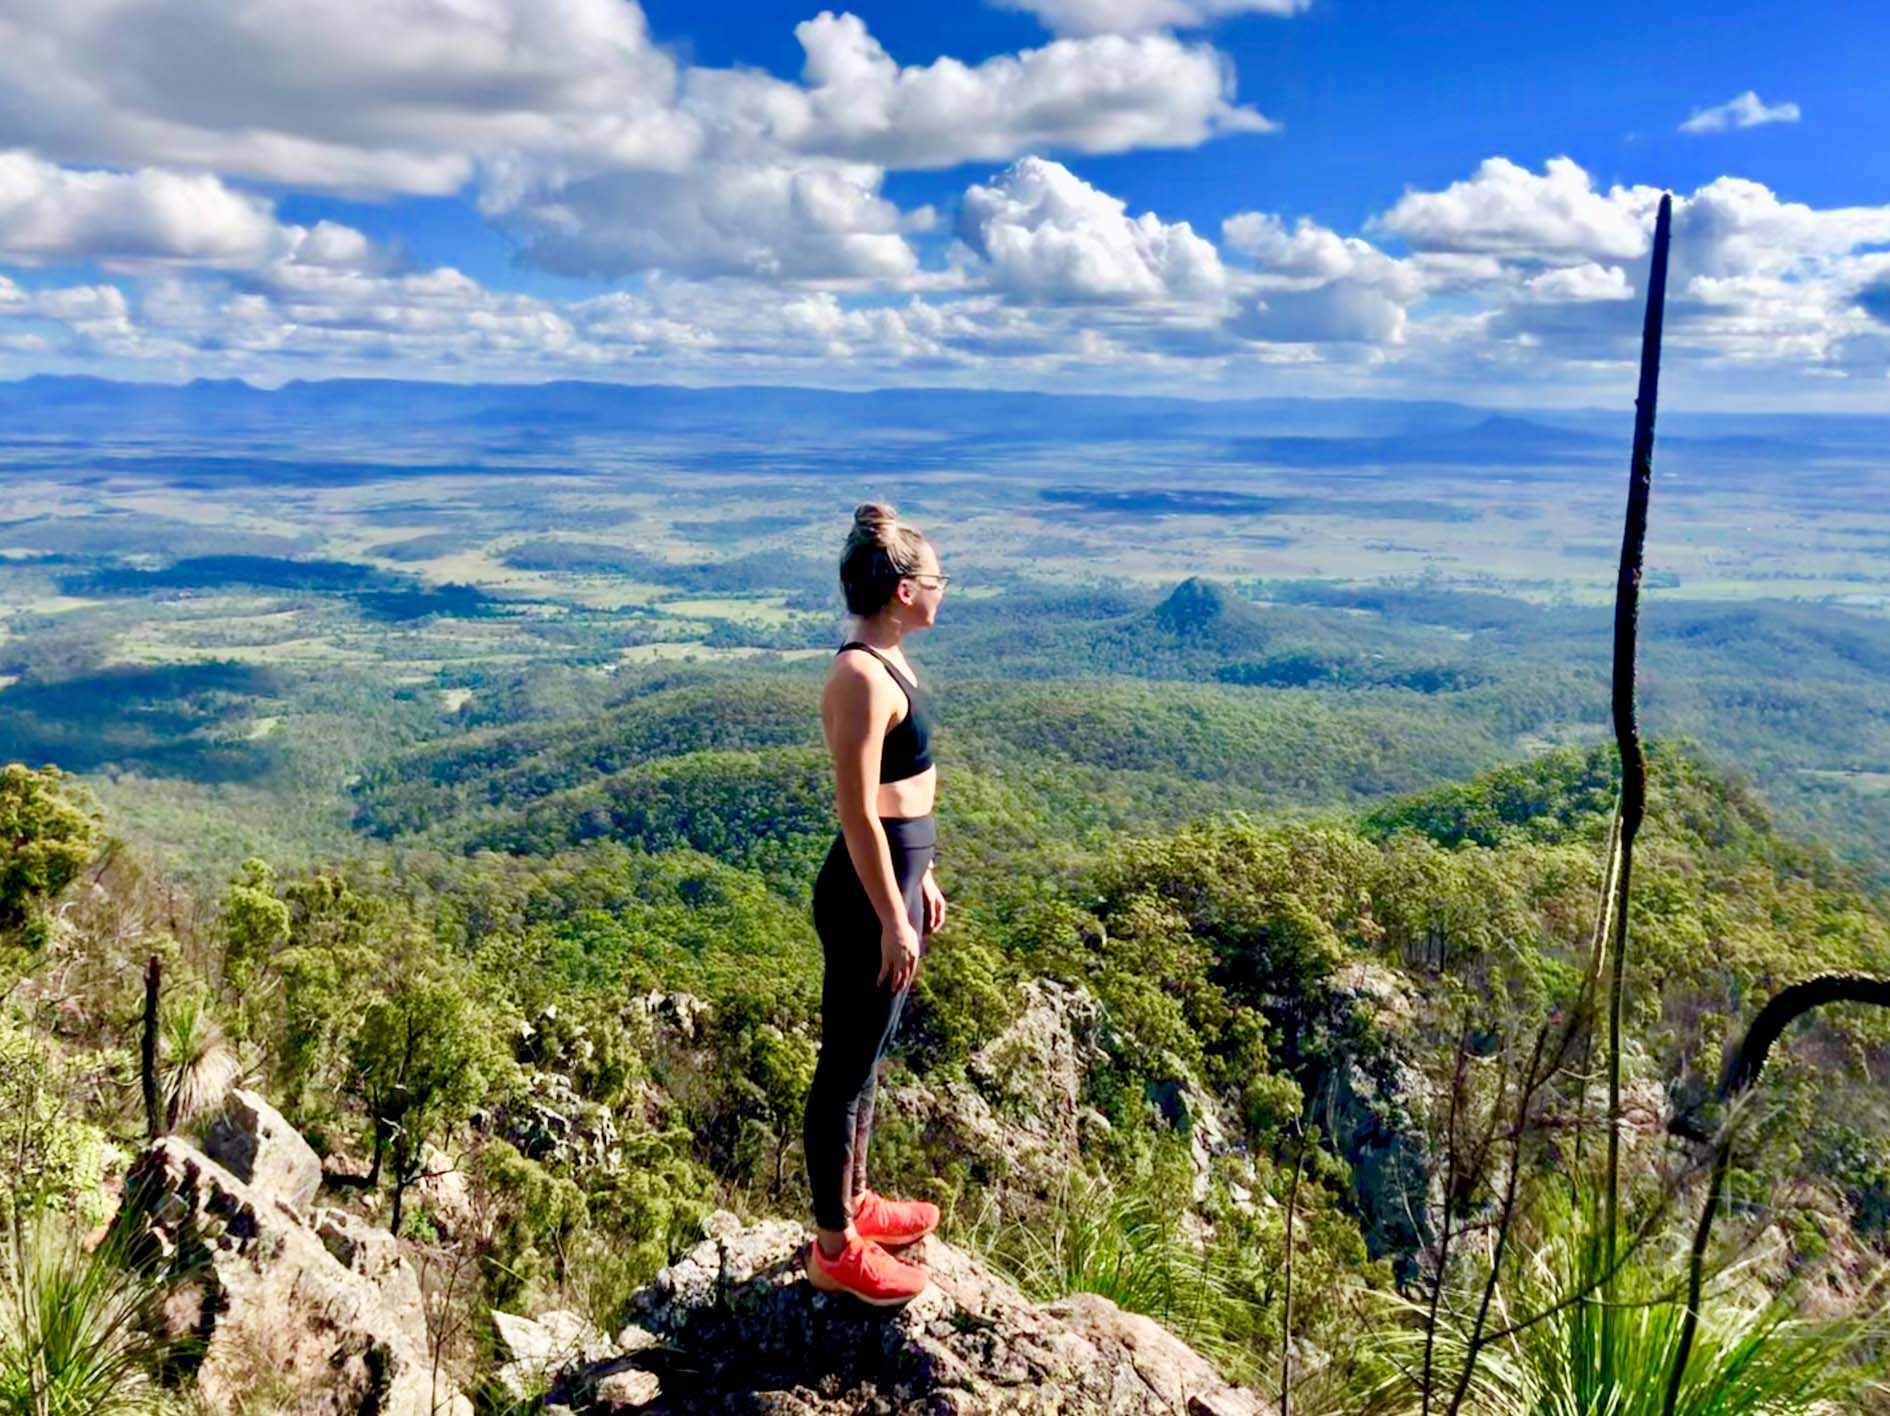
(1748,110)
(1309,249)
(784,218)
(1313,286)
(1108,93)
(91,320)
(342,94)
(577,132)
(1587,281)
(1733,226)
(1337,312)
(786,177)
(774,258)
(50,214)
(1505,209)
(1048,235)
(1755,280)
(1314,253)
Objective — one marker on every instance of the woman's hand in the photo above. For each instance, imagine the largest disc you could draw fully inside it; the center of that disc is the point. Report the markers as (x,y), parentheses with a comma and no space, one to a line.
(898,953)
(934,904)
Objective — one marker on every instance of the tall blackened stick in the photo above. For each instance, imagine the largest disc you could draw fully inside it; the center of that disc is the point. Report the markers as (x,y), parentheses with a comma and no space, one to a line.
(148,1054)
(1627,731)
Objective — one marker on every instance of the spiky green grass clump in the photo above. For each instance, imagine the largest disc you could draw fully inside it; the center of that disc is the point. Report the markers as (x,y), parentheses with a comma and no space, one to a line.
(199,1066)
(74,1339)
(1129,1246)
(1547,1352)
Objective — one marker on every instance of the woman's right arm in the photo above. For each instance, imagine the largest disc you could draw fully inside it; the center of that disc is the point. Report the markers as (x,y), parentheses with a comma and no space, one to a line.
(854,711)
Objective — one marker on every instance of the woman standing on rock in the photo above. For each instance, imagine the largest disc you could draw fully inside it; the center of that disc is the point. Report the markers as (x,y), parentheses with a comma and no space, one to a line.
(874,902)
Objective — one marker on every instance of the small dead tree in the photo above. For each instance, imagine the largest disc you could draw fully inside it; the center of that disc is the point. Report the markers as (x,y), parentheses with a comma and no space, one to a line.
(148,1058)
(1742,1072)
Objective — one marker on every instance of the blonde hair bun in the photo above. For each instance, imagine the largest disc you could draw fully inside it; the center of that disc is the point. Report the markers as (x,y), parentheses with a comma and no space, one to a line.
(879,550)
(878,518)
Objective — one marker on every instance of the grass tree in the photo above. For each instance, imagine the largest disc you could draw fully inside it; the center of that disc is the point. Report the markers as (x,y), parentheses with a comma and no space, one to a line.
(197,1065)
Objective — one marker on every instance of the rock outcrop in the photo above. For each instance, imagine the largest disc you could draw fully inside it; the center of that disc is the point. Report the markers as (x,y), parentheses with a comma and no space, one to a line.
(318,1308)
(733,1327)
(1020,1116)
(251,1140)
(537,1349)
(1368,1097)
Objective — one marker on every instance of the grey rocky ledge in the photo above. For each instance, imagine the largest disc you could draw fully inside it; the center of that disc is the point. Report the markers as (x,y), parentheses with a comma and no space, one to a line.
(738,1329)
(322,1304)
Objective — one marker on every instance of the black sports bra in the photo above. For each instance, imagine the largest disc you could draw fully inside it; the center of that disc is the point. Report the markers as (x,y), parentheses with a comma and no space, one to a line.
(907,749)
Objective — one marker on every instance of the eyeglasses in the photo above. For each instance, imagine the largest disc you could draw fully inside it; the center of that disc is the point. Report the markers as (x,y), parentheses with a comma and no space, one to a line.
(943,581)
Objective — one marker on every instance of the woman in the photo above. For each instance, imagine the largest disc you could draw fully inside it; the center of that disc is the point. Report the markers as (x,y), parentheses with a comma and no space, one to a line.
(874,902)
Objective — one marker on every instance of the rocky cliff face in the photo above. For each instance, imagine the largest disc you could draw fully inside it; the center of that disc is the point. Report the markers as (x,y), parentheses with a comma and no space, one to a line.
(313,1306)
(734,1327)
(1020,1117)
(317,1313)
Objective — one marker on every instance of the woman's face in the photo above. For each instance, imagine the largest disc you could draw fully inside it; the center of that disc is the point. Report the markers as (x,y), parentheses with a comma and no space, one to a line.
(921,591)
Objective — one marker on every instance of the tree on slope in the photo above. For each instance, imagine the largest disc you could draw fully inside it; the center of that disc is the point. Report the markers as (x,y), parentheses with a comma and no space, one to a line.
(425,1056)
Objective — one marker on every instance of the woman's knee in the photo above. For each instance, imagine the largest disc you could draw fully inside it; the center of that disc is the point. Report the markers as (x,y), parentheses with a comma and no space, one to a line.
(840,1076)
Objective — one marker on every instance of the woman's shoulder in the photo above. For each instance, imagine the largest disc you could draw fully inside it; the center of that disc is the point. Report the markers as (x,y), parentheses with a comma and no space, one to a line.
(855,668)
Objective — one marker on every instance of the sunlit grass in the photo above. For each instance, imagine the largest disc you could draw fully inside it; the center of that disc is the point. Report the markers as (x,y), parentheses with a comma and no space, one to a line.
(73,1335)
(1754,1354)
(1132,1248)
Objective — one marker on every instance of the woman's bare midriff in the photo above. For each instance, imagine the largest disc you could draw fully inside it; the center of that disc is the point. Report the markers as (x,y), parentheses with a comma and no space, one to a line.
(911,796)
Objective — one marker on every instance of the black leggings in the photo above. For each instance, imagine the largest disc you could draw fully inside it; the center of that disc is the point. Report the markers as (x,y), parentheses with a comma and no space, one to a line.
(858,1014)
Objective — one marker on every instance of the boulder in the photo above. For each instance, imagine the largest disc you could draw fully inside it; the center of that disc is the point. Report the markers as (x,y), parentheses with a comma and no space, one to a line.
(330,1320)
(443,1192)
(740,1330)
(252,1141)
(627,1389)
(1019,1116)
(371,1252)
(538,1348)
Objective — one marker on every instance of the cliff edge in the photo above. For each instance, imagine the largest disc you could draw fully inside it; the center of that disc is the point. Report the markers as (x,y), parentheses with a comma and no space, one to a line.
(734,1328)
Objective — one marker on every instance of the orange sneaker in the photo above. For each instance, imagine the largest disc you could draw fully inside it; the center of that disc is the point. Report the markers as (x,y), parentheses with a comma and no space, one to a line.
(893,1224)
(866,1271)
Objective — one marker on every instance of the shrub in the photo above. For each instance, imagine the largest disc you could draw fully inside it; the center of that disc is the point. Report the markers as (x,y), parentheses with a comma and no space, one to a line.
(52,1159)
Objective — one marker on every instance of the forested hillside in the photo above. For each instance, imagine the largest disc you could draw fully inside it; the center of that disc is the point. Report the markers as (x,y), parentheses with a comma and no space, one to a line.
(579,977)
(477,834)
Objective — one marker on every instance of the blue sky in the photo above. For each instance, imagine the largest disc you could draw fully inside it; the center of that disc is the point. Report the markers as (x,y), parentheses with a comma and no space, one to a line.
(1214,197)
(1375,97)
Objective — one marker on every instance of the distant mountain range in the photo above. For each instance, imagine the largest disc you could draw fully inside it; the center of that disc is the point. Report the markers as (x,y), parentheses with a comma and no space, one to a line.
(803,425)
